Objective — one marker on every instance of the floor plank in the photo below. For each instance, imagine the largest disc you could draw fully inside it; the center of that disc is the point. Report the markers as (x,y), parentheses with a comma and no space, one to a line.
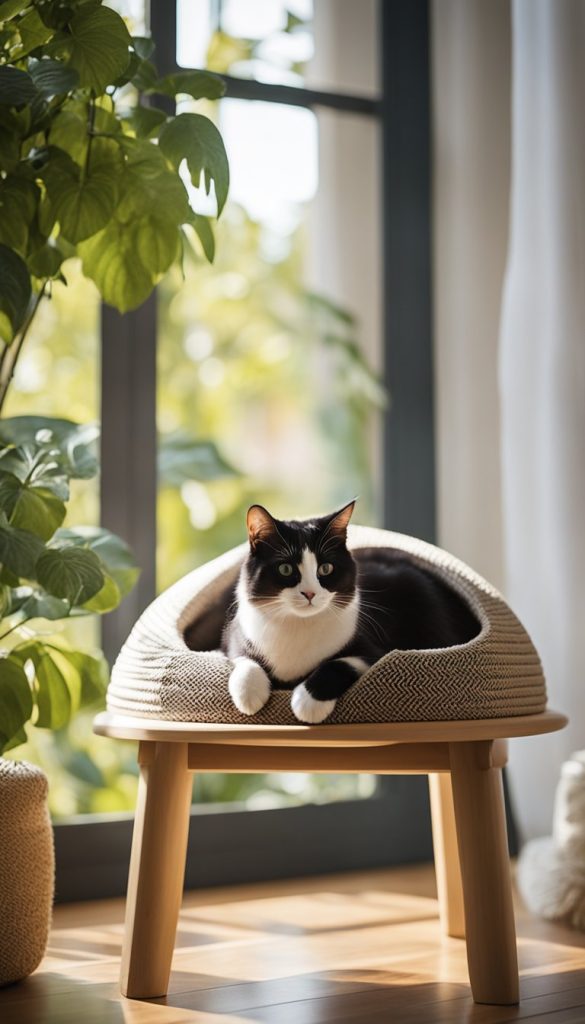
(360,948)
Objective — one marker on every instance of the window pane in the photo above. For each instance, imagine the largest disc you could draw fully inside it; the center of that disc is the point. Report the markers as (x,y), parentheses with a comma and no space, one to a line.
(326,44)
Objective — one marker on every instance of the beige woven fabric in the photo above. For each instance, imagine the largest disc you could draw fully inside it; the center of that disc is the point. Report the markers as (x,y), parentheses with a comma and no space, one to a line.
(498,673)
(26,869)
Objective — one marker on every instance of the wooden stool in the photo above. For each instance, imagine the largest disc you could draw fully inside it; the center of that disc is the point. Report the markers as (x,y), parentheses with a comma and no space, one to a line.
(464,763)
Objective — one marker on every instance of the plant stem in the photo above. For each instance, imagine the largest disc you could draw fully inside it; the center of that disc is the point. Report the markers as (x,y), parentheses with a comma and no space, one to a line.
(10,355)
(12,628)
(90,133)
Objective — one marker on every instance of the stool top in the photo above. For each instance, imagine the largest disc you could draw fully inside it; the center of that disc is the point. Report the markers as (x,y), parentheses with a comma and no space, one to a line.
(354,735)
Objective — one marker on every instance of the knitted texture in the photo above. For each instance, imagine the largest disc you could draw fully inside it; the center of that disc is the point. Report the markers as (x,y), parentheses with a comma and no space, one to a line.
(496,674)
(26,869)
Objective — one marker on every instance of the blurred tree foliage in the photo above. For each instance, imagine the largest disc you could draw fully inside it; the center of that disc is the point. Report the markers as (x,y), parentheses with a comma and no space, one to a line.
(282,387)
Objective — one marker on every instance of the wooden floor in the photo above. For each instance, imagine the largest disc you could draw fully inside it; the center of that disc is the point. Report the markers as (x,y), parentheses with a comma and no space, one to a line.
(359,948)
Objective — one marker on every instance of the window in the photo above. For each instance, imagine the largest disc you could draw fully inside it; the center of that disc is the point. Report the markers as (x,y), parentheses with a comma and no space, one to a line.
(321,284)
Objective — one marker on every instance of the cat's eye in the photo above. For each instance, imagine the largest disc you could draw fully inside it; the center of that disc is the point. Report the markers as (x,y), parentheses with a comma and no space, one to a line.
(325,569)
(285,569)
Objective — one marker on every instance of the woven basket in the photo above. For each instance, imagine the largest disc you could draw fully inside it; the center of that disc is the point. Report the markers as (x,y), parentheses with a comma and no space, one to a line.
(496,674)
(26,869)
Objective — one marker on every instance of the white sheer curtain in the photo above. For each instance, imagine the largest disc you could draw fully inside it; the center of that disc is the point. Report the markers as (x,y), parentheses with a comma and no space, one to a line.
(511,363)
(542,378)
(471,175)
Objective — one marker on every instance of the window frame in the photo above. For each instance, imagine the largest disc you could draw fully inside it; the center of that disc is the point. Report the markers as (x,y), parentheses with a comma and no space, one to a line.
(92,854)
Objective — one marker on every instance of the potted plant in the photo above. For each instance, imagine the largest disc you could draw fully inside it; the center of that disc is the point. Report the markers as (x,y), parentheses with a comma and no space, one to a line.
(89,168)
(48,573)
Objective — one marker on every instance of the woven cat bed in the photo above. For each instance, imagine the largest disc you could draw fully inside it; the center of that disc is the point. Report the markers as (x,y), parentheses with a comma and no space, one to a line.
(496,674)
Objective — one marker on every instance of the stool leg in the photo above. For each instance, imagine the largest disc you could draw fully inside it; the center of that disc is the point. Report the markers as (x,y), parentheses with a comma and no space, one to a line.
(483,850)
(447,868)
(157,869)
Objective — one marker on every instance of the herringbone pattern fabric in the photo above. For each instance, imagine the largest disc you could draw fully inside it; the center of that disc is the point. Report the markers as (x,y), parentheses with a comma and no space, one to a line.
(498,673)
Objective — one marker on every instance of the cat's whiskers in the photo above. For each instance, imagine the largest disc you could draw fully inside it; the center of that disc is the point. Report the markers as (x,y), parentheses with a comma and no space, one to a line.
(372,623)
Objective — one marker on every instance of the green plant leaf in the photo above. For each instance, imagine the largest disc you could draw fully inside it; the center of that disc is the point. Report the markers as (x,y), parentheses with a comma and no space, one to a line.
(81,203)
(145,121)
(128,257)
(19,199)
(19,550)
(106,599)
(46,260)
(98,47)
(30,507)
(16,87)
(68,132)
(16,703)
(143,46)
(11,7)
(33,32)
(149,187)
(53,695)
(52,77)
(71,573)
(145,76)
(7,577)
(198,84)
(204,231)
(75,443)
(91,674)
(195,138)
(36,465)
(182,458)
(44,606)
(109,259)
(15,292)
(114,554)
(17,740)
(9,149)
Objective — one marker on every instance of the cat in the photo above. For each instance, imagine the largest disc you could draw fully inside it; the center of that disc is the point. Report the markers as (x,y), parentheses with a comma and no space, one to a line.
(311,616)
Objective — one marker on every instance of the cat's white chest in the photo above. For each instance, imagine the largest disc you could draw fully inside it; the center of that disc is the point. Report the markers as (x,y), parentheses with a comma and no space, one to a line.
(293,646)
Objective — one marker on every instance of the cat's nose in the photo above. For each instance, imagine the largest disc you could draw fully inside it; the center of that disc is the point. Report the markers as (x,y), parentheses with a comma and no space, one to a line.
(309,594)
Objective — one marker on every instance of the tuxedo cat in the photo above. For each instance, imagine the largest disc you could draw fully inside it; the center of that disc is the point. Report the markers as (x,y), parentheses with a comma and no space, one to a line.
(310,616)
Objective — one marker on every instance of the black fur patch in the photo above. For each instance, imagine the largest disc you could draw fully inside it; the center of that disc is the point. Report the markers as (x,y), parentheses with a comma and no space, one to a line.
(285,544)
(331,680)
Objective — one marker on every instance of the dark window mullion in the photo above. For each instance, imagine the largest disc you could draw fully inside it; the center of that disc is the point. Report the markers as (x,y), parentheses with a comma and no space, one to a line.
(409,450)
(128,487)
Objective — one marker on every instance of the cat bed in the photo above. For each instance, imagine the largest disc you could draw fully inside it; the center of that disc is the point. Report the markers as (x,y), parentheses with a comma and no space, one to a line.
(170,667)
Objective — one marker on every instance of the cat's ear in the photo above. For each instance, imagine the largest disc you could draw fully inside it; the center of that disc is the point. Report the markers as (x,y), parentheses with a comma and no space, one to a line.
(339,521)
(261,525)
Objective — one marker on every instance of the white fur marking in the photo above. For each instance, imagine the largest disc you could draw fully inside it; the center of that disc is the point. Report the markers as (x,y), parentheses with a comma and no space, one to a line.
(358,664)
(309,578)
(292,636)
(307,709)
(249,686)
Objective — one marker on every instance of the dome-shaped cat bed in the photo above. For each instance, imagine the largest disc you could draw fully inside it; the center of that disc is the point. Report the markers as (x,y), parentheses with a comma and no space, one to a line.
(170,668)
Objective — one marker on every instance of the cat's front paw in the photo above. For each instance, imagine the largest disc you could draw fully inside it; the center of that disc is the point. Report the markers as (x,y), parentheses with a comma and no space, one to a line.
(249,686)
(307,709)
